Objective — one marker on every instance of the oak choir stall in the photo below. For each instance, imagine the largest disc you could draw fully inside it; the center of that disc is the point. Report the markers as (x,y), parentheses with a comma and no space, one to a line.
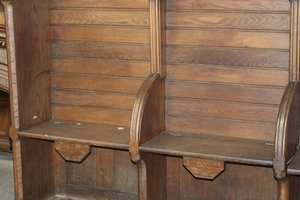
(154,99)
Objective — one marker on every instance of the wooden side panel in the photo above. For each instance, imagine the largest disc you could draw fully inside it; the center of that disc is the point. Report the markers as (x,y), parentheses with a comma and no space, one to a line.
(37,169)
(101,55)
(33,57)
(226,68)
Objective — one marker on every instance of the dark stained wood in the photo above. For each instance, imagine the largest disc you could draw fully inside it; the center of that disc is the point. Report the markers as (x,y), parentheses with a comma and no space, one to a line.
(287,130)
(74,152)
(86,133)
(228,57)
(227,149)
(294,165)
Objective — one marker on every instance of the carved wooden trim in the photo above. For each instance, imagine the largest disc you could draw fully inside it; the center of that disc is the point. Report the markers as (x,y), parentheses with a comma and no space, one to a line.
(287,128)
(73,152)
(294,41)
(158,36)
(138,113)
(11,64)
(203,168)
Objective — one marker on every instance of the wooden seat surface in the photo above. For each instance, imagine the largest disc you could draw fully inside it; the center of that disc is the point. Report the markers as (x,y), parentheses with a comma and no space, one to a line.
(86,133)
(228,149)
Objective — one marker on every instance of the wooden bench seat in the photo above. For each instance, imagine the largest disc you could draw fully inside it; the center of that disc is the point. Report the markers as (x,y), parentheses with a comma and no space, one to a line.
(101,135)
(228,149)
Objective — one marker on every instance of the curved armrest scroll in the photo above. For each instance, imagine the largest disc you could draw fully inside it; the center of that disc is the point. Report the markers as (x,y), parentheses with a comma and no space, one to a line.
(287,129)
(147,119)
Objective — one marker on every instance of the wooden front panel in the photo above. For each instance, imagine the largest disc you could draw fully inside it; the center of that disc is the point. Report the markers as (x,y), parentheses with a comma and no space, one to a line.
(101,55)
(106,173)
(227,66)
(236,182)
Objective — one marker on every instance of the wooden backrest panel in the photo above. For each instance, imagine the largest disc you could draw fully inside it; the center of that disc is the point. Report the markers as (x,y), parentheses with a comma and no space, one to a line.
(227,66)
(101,55)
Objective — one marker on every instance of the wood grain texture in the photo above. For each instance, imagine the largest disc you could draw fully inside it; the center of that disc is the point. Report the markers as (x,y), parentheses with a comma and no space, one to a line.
(100,50)
(93,134)
(225,110)
(103,67)
(100,17)
(101,34)
(230,74)
(221,127)
(93,99)
(239,93)
(143,4)
(232,20)
(229,38)
(228,149)
(92,115)
(260,5)
(96,83)
(228,57)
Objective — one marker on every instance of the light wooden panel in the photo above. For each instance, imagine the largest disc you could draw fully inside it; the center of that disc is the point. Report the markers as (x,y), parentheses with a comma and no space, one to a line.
(222,127)
(101,34)
(96,83)
(229,20)
(238,93)
(100,17)
(254,5)
(101,4)
(224,74)
(93,99)
(226,110)
(100,50)
(101,67)
(92,115)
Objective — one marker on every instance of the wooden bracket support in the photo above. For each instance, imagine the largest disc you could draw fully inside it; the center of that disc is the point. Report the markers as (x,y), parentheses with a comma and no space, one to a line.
(73,152)
(205,169)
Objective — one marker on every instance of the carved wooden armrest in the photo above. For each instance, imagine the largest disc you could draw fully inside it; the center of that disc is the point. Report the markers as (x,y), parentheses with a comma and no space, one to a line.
(287,129)
(148,114)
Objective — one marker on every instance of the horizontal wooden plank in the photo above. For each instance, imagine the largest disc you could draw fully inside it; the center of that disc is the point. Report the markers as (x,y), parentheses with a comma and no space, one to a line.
(230,20)
(92,115)
(236,75)
(101,4)
(229,38)
(101,34)
(96,83)
(226,149)
(101,67)
(219,92)
(84,133)
(213,126)
(101,50)
(100,17)
(93,99)
(228,57)
(258,5)
(226,110)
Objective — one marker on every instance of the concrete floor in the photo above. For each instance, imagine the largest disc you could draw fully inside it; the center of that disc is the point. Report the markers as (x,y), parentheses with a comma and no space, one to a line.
(6,176)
